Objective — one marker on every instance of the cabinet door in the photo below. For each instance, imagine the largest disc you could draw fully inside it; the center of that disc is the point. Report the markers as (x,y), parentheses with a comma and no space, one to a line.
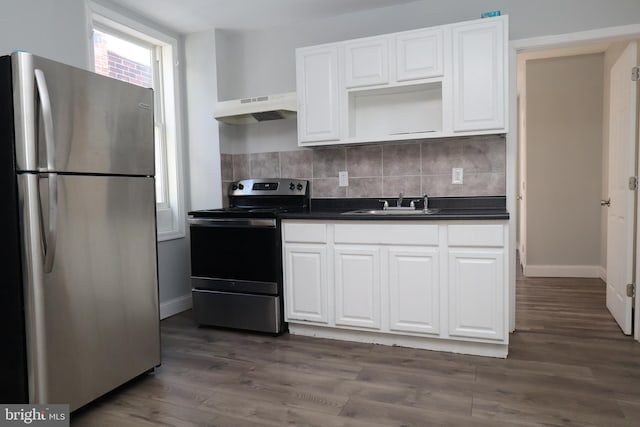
(414,282)
(357,286)
(476,293)
(305,282)
(318,96)
(478,75)
(419,54)
(367,62)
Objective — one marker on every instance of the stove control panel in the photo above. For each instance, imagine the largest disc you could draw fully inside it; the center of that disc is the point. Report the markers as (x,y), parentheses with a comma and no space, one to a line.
(269,186)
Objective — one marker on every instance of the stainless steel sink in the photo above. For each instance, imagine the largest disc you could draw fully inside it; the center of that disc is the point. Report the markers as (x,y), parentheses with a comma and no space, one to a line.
(396,211)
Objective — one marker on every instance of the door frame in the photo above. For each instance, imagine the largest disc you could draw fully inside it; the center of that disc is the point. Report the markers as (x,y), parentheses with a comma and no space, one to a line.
(609,34)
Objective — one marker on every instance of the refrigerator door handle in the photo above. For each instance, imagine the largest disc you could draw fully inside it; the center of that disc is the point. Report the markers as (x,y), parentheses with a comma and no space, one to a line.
(50,236)
(47,120)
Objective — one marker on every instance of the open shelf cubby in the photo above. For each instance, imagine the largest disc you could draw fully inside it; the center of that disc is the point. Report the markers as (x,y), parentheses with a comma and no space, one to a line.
(395,111)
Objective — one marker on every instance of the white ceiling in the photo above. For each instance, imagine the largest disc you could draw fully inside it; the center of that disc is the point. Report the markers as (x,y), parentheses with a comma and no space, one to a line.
(189,16)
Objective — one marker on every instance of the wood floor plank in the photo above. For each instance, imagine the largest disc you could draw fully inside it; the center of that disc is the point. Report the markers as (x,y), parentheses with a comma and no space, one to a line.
(253,408)
(554,402)
(399,415)
(568,365)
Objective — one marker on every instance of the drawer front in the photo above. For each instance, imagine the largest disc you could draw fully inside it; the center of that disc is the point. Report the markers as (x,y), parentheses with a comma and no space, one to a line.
(486,235)
(388,233)
(234,310)
(304,232)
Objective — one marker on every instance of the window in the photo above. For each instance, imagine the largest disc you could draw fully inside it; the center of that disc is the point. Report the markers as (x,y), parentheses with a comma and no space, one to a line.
(129,51)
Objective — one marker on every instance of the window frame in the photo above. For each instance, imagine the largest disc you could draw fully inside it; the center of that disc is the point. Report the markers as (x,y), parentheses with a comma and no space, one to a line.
(169,215)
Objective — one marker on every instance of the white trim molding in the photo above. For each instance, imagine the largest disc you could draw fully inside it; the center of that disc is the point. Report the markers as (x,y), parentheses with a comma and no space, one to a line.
(603,274)
(585,271)
(175,306)
(170,217)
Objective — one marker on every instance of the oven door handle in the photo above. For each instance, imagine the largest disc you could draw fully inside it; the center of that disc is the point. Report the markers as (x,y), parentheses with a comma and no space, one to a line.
(233,222)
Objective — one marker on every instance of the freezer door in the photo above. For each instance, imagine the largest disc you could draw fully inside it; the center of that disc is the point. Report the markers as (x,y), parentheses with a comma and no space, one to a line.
(93,320)
(71,120)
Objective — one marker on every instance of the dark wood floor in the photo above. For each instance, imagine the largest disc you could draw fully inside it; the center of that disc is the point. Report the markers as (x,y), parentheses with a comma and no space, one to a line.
(568,365)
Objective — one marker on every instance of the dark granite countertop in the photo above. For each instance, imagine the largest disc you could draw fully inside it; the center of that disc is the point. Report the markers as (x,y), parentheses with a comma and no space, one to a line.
(444,208)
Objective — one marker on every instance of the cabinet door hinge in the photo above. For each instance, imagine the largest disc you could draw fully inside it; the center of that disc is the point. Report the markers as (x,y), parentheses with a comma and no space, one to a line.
(633,183)
(631,290)
(635,73)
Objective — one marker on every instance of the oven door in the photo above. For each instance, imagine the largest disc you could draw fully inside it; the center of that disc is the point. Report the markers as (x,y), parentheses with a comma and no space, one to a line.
(236,255)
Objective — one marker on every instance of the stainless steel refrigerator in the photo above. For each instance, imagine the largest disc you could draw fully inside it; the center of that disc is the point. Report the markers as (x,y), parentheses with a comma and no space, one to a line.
(79,293)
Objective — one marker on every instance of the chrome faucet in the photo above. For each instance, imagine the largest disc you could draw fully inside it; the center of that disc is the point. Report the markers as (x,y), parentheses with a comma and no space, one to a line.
(399,202)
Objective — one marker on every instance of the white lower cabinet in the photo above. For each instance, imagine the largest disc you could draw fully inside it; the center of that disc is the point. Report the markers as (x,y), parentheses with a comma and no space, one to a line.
(357,286)
(476,293)
(436,285)
(414,282)
(305,279)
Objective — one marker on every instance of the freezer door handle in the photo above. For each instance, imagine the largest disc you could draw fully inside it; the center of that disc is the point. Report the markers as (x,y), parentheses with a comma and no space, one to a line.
(47,120)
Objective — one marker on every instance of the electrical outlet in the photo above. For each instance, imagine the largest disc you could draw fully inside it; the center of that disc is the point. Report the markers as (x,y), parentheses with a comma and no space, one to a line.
(457,175)
(343,179)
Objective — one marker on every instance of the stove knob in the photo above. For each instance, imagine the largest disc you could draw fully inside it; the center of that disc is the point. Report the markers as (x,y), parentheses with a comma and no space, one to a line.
(292,186)
(234,187)
(299,187)
(241,187)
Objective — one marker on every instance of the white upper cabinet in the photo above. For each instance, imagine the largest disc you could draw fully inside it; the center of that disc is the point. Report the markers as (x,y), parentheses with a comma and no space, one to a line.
(419,54)
(318,94)
(479,51)
(434,82)
(366,62)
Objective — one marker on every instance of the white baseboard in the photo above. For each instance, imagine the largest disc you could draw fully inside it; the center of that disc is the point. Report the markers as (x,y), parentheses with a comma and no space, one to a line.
(589,271)
(603,274)
(488,349)
(175,306)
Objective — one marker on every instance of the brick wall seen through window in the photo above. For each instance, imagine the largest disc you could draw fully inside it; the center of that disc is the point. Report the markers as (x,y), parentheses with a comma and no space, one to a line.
(122,60)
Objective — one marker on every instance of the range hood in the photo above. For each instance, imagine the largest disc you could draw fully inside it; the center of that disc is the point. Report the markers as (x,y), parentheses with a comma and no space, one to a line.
(258,109)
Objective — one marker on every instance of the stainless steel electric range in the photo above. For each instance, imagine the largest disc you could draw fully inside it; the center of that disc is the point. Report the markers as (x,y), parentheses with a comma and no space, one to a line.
(236,255)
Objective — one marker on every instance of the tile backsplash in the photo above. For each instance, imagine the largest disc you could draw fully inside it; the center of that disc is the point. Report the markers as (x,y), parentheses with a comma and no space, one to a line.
(385,169)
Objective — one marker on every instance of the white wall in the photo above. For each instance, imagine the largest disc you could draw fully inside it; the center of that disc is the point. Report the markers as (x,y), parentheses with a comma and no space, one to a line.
(53,29)
(564,165)
(263,62)
(204,146)
(59,30)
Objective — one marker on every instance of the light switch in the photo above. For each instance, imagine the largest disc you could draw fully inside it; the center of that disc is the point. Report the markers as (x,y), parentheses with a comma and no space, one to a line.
(343,179)
(457,175)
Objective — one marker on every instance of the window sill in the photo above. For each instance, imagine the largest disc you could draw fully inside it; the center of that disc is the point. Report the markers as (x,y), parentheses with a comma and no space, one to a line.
(170,235)
(168,225)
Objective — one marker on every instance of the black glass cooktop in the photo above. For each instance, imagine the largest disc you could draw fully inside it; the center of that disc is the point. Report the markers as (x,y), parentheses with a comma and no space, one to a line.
(248,212)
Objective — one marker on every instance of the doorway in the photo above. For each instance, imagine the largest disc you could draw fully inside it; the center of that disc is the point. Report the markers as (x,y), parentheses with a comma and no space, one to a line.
(549,54)
(561,148)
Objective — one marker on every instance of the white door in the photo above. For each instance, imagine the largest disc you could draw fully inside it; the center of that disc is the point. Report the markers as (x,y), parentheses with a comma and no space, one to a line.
(305,281)
(419,54)
(479,75)
(476,293)
(317,86)
(620,215)
(367,62)
(414,285)
(357,286)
